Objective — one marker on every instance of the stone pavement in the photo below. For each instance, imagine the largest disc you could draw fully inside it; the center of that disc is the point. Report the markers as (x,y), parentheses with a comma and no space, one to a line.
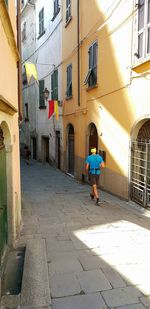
(78,255)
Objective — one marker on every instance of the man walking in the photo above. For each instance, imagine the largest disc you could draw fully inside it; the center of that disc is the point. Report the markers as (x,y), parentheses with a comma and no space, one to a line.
(94,163)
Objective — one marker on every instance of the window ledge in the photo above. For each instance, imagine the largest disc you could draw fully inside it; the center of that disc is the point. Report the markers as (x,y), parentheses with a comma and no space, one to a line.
(42,107)
(40,35)
(55,14)
(142,65)
(69,98)
(68,21)
(92,87)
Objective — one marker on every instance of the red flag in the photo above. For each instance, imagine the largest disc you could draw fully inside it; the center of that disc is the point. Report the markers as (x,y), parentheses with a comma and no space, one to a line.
(51,108)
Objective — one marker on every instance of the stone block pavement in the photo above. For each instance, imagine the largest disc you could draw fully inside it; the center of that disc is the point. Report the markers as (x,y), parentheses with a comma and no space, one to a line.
(79,255)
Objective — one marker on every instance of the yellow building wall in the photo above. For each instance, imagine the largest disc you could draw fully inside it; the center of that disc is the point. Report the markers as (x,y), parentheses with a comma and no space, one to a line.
(9,114)
(8,71)
(120,98)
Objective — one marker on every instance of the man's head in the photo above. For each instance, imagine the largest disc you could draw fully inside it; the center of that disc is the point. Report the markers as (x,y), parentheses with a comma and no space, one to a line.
(93,150)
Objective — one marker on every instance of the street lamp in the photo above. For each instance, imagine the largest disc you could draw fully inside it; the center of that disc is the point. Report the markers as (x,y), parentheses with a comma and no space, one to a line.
(46,94)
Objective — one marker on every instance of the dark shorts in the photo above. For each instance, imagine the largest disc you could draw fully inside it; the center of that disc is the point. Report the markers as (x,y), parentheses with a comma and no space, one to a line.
(94,179)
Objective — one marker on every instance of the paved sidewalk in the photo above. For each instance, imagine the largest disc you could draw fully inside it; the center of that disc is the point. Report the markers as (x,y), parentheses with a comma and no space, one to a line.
(83,256)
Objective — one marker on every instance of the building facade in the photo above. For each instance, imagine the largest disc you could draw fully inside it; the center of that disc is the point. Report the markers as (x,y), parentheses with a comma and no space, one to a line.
(44,135)
(28,133)
(10,199)
(106,92)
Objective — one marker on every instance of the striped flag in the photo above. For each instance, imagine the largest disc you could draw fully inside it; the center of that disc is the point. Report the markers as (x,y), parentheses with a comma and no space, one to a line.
(53,108)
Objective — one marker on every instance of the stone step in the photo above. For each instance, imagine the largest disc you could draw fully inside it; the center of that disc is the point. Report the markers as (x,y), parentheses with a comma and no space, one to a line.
(35,291)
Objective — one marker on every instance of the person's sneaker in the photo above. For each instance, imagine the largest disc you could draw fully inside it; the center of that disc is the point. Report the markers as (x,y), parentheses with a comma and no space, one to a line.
(92,196)
(98,203)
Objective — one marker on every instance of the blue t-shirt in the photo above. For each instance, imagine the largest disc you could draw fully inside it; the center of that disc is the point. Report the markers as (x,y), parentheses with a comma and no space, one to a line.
(94,162)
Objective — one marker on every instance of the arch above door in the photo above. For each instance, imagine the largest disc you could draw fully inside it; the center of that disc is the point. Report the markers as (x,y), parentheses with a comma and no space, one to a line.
(92,137)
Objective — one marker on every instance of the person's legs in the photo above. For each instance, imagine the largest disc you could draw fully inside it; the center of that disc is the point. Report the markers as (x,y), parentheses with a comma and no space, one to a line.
(95,192)
(94,183)
(92,195)
(97,183)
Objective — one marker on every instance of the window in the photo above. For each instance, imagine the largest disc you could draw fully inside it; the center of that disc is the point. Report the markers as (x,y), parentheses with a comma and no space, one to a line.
(6,2)
(23,34)
(24,78)
(56,8)
(91,78)
(26,112)
(68,10)
(69,81)
(41,22)
(41,95)
(54,85)
(143,27)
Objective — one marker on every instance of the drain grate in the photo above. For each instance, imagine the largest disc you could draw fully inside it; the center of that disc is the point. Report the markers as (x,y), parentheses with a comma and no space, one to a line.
(12,278)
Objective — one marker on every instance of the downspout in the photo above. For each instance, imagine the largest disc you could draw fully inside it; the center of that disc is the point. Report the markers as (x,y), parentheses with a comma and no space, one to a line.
(19,62)
(78,51)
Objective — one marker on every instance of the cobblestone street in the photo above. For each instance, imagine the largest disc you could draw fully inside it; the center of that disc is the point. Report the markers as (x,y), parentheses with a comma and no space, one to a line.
(78,255)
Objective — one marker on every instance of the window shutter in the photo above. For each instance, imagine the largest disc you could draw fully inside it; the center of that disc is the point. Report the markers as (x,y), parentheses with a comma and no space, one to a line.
(41,21)
(141,9)
(56,84)
(52,86)
(41,89)
(148,13)
(90,58)
(69,81)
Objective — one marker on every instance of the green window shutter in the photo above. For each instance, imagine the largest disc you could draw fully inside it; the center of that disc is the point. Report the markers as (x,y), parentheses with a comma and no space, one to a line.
(69,81)
(41,21)
(41,89)
(54,85)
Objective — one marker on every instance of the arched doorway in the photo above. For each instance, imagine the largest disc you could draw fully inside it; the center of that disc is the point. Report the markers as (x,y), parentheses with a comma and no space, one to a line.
(71,149)
(140,165)
(3,196)
(93,137)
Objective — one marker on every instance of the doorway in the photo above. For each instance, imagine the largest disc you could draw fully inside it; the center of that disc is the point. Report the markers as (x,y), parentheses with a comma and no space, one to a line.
(71,150)
(45,149)
(140,166)
(58,162)
(34,148)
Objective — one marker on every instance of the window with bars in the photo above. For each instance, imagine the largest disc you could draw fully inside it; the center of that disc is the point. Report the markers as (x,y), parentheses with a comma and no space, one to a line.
(68,10)
(41,22)
(41,94)
(54,85)
(91,78)
(69,81)
(143,27)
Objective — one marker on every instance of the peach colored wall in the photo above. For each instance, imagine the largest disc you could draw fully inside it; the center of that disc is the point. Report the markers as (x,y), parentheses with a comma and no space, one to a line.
(9,122)
(8,71)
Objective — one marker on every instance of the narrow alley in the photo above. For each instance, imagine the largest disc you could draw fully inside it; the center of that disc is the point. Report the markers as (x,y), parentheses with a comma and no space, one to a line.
(78,255)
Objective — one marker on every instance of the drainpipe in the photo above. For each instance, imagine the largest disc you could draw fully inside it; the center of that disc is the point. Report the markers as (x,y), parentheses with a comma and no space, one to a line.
(19,62)
(78,52)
